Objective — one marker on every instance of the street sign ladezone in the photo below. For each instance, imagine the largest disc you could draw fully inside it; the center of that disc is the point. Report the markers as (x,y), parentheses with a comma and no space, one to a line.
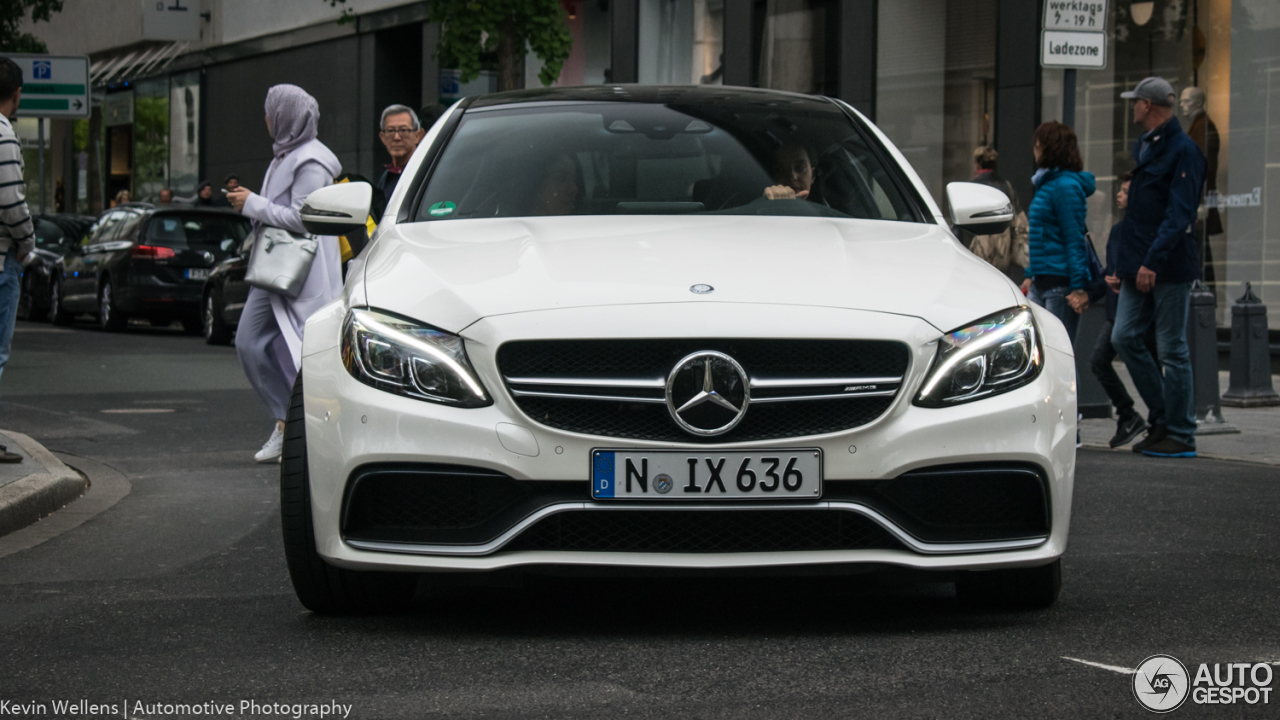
(53,86)
(1083,50)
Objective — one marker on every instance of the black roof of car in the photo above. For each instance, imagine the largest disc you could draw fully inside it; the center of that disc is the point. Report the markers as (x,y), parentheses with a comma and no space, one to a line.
(659,94)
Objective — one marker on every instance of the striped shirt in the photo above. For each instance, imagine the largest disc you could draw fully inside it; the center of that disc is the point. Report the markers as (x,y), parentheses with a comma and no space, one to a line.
(15,219)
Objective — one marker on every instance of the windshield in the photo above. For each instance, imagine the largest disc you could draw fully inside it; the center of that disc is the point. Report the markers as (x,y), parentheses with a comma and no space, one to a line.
(221,233)
(638,158)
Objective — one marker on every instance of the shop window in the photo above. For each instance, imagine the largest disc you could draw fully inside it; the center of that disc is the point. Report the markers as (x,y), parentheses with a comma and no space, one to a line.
(151,138)
(184,132)
(796,44)
(935,84)
(681,42)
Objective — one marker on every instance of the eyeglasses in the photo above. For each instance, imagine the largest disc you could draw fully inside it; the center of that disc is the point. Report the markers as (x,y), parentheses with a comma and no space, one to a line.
(395,132)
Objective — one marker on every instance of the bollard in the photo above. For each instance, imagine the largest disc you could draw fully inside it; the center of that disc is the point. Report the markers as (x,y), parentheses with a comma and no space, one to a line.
(1202,338)
(1250,356)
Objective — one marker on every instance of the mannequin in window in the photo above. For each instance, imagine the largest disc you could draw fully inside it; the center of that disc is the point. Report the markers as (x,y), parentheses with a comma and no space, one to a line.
(1205,134)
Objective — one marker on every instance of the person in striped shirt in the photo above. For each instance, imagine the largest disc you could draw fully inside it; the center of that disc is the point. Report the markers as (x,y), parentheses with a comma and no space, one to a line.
(17,235)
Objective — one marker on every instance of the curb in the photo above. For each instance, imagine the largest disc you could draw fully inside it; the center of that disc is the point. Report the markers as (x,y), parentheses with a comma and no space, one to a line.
(25,501)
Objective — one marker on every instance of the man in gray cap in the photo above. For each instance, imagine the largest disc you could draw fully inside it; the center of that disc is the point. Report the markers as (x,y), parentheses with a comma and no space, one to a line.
(1155,264)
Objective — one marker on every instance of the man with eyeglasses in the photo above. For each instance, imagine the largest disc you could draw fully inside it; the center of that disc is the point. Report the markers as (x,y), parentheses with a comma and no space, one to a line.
(400,132)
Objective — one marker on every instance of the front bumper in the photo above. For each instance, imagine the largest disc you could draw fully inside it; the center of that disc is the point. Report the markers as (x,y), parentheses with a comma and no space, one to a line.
(351,426)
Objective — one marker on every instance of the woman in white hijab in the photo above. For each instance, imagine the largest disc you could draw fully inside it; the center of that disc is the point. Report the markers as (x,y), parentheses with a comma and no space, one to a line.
(269,335)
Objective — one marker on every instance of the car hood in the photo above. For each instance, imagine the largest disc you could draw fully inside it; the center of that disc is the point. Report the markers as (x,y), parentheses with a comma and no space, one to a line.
(452,273)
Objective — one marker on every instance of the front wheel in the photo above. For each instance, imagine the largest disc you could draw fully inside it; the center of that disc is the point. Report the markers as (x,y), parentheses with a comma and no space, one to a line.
(321,587)
(216,331)
(1027,588)
(109,316)
(57,314)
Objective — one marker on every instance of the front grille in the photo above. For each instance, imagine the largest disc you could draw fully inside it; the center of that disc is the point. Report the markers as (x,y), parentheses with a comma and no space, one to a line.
(615,388)
(698,531)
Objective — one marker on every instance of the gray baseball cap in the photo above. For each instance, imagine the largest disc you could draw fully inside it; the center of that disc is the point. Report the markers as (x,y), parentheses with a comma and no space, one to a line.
(1156,89)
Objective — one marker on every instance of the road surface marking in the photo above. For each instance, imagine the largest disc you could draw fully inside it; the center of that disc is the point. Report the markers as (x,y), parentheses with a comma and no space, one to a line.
(1112,668)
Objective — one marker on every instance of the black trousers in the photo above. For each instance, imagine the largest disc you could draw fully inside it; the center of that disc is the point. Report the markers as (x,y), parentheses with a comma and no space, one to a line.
(1101,363)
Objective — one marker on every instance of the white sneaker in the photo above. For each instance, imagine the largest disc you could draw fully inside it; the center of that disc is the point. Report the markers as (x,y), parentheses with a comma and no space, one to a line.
(270,453)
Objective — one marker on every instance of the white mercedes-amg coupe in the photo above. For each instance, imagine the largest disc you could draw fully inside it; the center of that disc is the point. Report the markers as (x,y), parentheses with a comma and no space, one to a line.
(673,330)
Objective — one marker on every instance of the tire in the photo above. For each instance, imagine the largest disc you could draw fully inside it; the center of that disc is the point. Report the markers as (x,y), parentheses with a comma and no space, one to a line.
(216,331)
(57,314)
(109,316)
(321,587)
(1033,588)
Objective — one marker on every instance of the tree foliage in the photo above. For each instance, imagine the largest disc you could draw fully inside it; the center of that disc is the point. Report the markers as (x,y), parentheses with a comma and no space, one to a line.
(507,27)
(13,13)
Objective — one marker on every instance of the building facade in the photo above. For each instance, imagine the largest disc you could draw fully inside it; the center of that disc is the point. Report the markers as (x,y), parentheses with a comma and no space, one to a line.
(178,103)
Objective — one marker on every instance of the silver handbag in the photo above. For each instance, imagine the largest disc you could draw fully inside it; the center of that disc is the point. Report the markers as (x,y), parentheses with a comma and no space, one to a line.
(280,260)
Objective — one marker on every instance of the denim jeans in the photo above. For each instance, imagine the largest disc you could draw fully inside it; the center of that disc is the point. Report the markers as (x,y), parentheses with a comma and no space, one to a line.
(1171,397)
(1103,354)
(1055,301)
(10,289)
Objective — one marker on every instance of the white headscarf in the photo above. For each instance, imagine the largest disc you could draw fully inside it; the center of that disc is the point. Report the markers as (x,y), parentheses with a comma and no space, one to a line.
(293,114)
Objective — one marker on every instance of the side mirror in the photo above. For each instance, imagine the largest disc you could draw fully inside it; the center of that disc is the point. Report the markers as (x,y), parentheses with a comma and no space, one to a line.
(337,209)
(980,209)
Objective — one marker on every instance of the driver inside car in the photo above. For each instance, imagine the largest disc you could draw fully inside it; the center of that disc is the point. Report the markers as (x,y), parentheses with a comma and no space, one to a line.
(559,192)
(792,171)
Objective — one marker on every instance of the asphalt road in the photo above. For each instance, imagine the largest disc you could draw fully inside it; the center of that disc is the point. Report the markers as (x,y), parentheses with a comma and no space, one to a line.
(179,593)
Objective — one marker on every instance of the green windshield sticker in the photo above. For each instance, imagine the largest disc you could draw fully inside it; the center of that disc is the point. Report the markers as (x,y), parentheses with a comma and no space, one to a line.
(441,209)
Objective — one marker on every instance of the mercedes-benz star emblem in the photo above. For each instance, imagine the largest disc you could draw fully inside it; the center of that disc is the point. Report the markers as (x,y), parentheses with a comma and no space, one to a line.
(701,289)
(708,393)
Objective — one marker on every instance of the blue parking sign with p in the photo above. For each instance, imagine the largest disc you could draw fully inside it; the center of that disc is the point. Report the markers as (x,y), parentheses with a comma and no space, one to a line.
(41,70)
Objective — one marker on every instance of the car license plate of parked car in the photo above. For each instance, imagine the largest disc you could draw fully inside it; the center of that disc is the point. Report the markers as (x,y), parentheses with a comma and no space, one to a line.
(197,273)
(794,474)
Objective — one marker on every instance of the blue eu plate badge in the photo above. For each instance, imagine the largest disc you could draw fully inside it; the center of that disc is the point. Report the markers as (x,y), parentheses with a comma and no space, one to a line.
(602,475)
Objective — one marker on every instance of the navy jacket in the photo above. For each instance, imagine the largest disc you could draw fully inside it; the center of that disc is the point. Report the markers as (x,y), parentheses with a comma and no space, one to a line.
(1158,229)
(1113,297)
(1057,220)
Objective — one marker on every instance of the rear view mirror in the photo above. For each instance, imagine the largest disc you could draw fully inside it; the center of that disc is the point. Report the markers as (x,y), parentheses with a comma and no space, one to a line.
(980,209)
(337,209)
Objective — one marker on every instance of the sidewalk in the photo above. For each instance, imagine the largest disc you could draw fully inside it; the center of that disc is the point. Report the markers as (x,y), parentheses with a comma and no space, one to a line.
(35,487)
(1258,440)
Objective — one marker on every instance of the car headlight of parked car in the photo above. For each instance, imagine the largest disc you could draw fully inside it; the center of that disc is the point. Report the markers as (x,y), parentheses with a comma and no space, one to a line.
(996,354)
(408,358)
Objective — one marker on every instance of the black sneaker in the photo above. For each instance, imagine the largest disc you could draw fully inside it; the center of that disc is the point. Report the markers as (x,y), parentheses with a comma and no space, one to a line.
(1155,434)
(1127,428)
(1169,448)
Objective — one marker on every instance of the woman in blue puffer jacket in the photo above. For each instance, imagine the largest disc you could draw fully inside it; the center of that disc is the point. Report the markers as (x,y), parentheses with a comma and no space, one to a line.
(1058,276)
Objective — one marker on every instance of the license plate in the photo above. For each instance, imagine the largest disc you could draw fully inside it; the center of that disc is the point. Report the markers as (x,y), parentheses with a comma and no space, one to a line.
(686,475)
(197,273)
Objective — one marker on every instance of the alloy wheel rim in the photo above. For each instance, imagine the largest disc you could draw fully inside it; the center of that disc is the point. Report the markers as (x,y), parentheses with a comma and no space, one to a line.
(53,301)
(208,316)
(106,304)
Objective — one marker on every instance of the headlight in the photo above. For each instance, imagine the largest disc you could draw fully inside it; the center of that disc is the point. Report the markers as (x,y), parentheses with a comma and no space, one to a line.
(410,359)
(993,355)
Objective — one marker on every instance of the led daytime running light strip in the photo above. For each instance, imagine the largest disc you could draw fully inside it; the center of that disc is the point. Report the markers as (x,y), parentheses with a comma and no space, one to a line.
(1020,322)
(371,324)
